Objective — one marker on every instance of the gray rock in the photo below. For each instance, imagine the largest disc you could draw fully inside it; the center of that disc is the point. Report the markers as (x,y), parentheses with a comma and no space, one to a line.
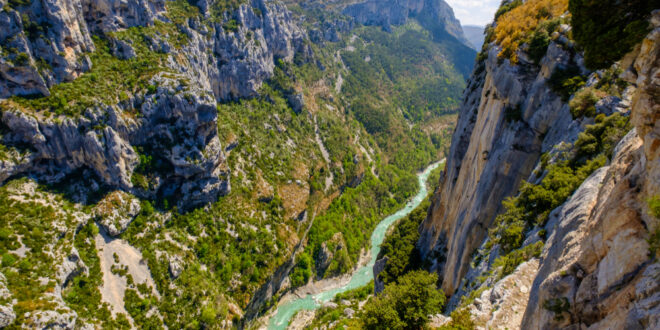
(297,102)
(122,49)
(379,266)
(349,312)
(116,211)
(397,12)
(7,316)
(608,105)
(330,304)
(175,267)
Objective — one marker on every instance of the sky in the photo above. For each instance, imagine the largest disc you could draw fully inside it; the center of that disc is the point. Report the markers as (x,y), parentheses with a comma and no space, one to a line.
(474,12)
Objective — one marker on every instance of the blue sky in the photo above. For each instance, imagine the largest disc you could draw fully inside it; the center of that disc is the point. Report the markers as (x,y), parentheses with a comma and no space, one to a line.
(474,12)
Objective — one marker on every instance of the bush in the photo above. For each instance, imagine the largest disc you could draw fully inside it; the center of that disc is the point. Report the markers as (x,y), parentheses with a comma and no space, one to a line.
(399,246)
(538,45)
(608,29)
(516,25)
(584,103)
(461,319)
(406,304)
(566,81)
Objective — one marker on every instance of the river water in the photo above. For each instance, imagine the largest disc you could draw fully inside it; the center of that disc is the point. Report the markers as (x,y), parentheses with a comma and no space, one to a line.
(363,275)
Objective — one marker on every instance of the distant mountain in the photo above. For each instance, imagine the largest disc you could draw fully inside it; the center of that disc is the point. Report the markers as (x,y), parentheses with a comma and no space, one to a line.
(475,35)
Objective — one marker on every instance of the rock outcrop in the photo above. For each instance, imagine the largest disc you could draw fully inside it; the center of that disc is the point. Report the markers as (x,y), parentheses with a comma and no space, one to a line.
(397,12)
(491,154)
(596,269)
(177,121)
(116,211)
(598,263)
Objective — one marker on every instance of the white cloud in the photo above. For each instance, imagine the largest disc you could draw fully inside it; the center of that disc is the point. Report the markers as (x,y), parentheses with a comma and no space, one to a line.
(474,12)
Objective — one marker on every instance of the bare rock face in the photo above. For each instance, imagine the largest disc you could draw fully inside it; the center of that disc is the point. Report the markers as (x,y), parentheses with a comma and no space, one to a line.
(112,15)
(503,305)
(177,122)
(116,211)
(52,32)
(491,154)
(7,315)
(390,12)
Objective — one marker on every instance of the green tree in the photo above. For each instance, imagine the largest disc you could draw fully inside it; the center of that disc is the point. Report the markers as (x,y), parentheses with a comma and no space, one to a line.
(608,29)
(406,304)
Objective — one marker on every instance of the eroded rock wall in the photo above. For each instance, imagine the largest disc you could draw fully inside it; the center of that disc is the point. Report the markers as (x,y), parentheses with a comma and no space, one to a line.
(177,121)
(599,263)
(508,118)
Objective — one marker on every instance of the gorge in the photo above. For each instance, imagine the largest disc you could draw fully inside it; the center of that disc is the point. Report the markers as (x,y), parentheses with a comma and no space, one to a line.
(254,164)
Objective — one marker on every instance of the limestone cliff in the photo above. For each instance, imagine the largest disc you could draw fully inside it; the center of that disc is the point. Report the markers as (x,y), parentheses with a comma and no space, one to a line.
(177,119)
(593,262)
(491,154)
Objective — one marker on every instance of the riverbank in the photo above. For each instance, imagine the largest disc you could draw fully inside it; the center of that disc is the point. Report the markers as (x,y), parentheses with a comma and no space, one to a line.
(314,294)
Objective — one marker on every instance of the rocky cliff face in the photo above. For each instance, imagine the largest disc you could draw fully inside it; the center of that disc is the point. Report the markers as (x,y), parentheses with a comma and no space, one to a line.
(596,268)
(597,260)
(491,154)
(386,13)
(176,120)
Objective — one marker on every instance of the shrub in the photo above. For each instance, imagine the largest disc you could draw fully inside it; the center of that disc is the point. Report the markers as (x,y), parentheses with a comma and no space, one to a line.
(405,304)
(557,306)
(565,81)
(538,45)
(511,261)
(22,59)
(608,29)
(516,25)
(461,319)
(584,103)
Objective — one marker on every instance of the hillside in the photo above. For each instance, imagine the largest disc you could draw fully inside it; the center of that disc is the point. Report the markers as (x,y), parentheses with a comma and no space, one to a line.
(181,163)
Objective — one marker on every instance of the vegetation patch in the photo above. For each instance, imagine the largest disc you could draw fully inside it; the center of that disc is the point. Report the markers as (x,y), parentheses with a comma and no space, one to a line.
(535,202)
(405,304)
(517,24)
(609,29)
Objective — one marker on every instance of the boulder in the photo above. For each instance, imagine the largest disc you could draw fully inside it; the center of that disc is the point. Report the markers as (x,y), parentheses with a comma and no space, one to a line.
(116,211)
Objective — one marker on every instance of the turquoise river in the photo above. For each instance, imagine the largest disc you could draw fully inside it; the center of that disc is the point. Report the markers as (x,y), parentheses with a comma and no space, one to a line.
(360,277)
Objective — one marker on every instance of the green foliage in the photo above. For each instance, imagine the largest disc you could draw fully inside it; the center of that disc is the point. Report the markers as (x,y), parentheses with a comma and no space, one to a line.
(406,304)
(602,137)
(399,246)
(583,103)
(18,3)
(119,76)
(303,270)
(83,294)
(461,319)
(22,59)
(507,8)
(535,202)
(558,306)
(608,29)
(358,294)
(654,206)
(566,81)
(230,26)
(538,45)
(511,261)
